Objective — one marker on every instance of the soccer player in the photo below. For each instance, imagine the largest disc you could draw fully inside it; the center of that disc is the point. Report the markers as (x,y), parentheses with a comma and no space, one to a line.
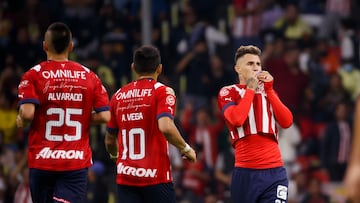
(251,109)
(138,133)
(60,98)
(352,175)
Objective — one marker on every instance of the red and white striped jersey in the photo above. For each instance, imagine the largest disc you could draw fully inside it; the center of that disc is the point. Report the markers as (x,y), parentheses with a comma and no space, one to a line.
(251,119)
(143,149)
(65,93)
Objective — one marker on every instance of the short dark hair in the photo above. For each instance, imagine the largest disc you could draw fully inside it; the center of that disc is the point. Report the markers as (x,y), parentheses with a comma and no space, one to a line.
(60,36)
(146,59)
(249,49)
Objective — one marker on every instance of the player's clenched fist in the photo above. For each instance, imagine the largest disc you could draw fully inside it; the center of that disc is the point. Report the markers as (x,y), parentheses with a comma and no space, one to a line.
(189,155)
(264,76)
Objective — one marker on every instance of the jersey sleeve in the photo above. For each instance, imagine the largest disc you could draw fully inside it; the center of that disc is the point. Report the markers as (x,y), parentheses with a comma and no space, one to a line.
(234,108)
(27,89)
(112,126)
(166,102)
(101,97)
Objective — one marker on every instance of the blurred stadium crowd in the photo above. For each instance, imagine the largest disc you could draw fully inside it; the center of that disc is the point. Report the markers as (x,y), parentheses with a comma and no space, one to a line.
(310,47)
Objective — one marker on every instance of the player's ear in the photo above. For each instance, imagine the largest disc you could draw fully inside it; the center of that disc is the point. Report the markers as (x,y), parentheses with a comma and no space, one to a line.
(159,69)
(237,68)
(133,67)
(71,46)
(45,46)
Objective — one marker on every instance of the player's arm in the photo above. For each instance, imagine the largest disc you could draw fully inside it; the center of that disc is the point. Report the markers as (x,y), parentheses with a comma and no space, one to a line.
(100,117)
(282,113)
(26,114)
(352,175)
(237,113)
(111,145)
(172,134)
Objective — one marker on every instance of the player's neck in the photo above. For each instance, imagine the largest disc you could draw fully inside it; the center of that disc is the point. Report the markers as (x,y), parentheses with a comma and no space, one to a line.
(57,57)
(147,77)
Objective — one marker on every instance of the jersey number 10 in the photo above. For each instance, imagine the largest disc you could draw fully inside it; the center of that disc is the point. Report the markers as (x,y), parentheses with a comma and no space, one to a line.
(131,148)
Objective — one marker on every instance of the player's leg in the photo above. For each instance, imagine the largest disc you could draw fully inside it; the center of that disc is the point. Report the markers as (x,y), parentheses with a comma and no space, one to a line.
(128,194)
(243,188)
(277,186)
(71,186)
(159,193)
(42,184)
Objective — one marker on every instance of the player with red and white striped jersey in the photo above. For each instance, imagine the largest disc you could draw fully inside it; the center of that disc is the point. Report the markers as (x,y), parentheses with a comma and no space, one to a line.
(251,110)
(138,133)
(58,97)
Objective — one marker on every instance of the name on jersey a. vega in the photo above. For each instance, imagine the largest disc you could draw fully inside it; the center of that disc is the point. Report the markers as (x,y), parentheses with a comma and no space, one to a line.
(132,117)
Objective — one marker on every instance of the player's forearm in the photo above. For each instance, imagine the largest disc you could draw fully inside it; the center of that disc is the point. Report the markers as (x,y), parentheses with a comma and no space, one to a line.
(101,117)
(171,133)
(282,114)
(111,144)
(237,115)
(355,153)
(26,115)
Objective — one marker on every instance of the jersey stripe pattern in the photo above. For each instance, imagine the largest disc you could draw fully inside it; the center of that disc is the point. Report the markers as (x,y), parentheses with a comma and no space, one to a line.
(250,118)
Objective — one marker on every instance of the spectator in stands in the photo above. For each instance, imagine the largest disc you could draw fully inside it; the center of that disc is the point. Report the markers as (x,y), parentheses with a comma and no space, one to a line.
(291,24)
(287,68)
(335,143)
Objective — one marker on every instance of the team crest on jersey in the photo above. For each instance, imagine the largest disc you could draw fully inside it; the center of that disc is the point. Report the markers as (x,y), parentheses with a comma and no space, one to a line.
(170,100)
(224,92)
(170,91)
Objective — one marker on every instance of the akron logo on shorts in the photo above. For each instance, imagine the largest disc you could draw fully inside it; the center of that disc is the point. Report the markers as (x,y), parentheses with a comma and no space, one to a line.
(281,194)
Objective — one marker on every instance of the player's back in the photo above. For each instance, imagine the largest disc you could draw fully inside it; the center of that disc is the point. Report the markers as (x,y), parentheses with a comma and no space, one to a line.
(143,158)
(66,93)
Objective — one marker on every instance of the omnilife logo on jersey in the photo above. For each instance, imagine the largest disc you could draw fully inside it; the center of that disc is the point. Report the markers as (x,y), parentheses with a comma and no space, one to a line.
(138,172)
(47,153)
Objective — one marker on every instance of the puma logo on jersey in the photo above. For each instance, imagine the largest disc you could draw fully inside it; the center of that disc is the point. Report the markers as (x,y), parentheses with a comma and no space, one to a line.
(47,153)
(138,172)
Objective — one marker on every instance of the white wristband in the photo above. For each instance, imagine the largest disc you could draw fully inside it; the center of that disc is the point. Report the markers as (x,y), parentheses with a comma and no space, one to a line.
(114,157)
(186,148)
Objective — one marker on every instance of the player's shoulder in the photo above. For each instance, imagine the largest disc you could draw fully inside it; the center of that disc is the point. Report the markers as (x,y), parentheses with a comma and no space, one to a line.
(158,86)
(226,90)
(80,66)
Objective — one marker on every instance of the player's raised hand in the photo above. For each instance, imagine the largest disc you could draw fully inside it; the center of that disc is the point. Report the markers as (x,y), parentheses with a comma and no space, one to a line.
(250,78)
(190,155)
(264,76)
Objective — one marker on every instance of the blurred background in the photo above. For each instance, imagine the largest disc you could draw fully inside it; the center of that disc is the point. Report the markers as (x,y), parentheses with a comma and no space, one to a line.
(310,47)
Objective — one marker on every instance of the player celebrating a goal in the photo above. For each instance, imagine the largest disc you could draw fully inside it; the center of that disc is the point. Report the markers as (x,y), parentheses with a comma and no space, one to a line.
(60,98)
(251,110)
(140,128)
